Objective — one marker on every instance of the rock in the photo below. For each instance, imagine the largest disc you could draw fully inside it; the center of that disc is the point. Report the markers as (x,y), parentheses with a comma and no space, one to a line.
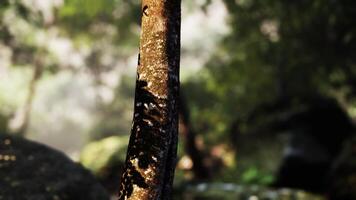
(230,191)
(342,179)
(32,171)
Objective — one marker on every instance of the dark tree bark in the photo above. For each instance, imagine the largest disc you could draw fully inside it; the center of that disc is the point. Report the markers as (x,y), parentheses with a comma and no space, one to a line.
(151,155)
(201,172)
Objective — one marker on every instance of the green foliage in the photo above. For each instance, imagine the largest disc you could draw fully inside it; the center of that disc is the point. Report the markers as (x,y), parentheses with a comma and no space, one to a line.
(294,40)
(96,156)
(81,13)
(89,8)
(276,49)
(255,176)
(90,18)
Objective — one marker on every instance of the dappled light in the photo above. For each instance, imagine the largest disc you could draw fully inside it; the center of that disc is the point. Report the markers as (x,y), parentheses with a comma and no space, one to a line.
(91,92)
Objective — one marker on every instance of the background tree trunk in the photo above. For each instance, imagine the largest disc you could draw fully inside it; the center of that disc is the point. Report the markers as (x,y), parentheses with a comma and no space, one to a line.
(201,172)
(151,155)
(24,114)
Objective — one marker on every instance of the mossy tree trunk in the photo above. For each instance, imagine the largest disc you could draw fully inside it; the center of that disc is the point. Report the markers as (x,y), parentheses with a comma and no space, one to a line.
(151,155)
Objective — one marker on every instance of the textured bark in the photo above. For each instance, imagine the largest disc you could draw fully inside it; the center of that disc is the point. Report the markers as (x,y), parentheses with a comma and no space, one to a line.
(151,155)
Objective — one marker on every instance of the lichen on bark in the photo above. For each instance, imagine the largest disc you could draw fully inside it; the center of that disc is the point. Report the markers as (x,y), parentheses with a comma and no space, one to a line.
(151,154)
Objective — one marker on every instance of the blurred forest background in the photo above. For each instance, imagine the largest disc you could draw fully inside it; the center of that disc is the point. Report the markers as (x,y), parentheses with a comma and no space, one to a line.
(252,74)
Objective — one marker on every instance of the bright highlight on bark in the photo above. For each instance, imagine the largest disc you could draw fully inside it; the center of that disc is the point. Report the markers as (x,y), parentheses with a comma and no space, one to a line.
(151,155)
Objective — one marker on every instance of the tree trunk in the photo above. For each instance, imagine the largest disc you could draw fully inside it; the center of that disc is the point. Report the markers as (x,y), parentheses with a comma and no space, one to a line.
(201,172)
(25,114)
(151,155)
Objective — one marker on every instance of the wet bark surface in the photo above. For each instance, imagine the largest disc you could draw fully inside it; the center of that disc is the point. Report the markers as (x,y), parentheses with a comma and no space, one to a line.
(151,155)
